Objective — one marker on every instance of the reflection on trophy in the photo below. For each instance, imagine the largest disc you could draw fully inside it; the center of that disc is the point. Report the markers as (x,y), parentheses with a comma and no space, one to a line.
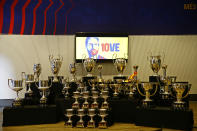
(43,86)
(29,78)
(80,123)
(69,114)
(105,96)
(147,86)
(85,96)
(103,123)
(180,88)
(76,95)
(94,96)
(37,71)
(120,64)
(100,67)
(89,65)
(16,85)
(72,68)
(55,66)
(66,87)
(91,113)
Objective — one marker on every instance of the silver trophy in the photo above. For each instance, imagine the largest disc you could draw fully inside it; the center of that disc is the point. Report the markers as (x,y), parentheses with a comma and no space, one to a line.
(80,123)
(69,114)
(73,69)
(56,64)
(120,64)
(89,65)
(43,87)
(103,114)
(29,78)
(16,85)
(66,87)
(105,95)
(95,97)
(76,95)
(85,96)
(91,113)
(37,71)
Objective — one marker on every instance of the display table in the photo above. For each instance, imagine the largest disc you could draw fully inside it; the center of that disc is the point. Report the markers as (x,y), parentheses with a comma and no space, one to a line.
(29,115)
(164,117)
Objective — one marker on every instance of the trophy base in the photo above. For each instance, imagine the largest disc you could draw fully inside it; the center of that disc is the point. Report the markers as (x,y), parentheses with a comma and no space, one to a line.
(147,104)
(68,124)
(179,106)
(165,96)
(43,101)
(75,106)
(105,106)
(102,125)
(91,124)
(17,103)
(85,106)
(80,125)
(94,105)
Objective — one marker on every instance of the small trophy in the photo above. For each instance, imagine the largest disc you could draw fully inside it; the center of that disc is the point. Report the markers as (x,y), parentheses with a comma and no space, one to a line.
(132,88)
(76,95)
(80,123)
(29,78)
(16,85)
(102,87)
(100,68)
(66,87)
(43,86)
(55,66)
(89,65)
(85,96)
(91,123)
(180,88)
(72,68)
(94,96)
(81,87)
(93,83)
(69,114)
(105,105)
(116,89)
(37,71)
(103,123)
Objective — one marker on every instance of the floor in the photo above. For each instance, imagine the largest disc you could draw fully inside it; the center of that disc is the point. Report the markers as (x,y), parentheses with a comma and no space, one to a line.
(116,127)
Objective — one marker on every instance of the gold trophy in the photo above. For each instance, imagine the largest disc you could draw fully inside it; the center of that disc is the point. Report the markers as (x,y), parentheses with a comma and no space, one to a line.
(105,104)
(120,64)
(80,123)
(89,65)
(91,123)
(93,83)
(72,68)
(16,85)
(147,86)
(179,89)
(103,123)
(102,86)
(100,68)
(55,66)
(76,95)
(85,96)
(95,96)
(29,78)
(69,114)
(37,71)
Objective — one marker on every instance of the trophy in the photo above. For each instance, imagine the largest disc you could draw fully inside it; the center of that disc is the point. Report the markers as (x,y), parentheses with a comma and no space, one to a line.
(16,85)
(85,96)
(66,87)
(55,66)
(69,114)
(37,71)
(132,87)
(81,87)
(93,83)
(116,89)
(94,96)
(29,78)
(120,64)
(80,123)
(105,105)
(102,86)
(89,65)
(103,123)
(179,89)
(100,67)
(147,86)
(72,68)
(76,95)
(43,86)
(91,113)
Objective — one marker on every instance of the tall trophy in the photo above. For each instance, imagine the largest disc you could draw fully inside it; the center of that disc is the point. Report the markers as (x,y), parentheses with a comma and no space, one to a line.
(16,85)
(76,95)
(95,97)
(66,87)
(29,78)
(103,114)
(85,96)
(105,95)
(72,69)
(69,114)
(179,89)
(100,68)
(120,64)
(89,64)
(37,71)
(91,123)
(43,87)
(80,123)
(147,86)
(55,66)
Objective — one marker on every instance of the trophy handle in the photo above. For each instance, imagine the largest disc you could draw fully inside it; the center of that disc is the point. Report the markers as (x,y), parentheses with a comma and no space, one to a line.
(155,90)
(189,87)
(9,83)
(114,56)
(140,91)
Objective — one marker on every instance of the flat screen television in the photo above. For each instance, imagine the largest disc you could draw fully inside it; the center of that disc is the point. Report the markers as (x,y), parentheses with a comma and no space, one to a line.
(101,46)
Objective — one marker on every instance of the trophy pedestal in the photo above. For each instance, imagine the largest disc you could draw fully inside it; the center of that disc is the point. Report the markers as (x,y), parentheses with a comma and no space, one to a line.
(147,103)
(68,124)
(43,101)
(91,124)
(165,96)
(179,105)
(94,105)
(154,78)
(17,103)
(120,77)
(102,125)
(105,106)
(80,124)
(85,105)
(75,106)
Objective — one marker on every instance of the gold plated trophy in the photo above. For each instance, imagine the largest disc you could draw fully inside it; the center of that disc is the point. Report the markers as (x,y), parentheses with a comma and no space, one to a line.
(76,95)
(85,96)
(91,113)
(69,114)
(95,97)
(103,114)
(120,64)
(89,64)
(80,123)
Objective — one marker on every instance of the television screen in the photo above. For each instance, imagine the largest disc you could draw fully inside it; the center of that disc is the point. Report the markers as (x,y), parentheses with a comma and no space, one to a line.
(101,46)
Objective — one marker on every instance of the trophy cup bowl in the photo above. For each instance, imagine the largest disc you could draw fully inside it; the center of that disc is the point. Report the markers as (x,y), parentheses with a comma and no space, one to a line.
(155,63)
(73,69)
(37,71)
(94,96)
(105,105)
(55,66)
(102,87)
(16,85)
(103,123)
(120,64)
(76,95)
(69,114)
(85,96)
(89,65)
(29,78)
(91,123)
(80,123)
